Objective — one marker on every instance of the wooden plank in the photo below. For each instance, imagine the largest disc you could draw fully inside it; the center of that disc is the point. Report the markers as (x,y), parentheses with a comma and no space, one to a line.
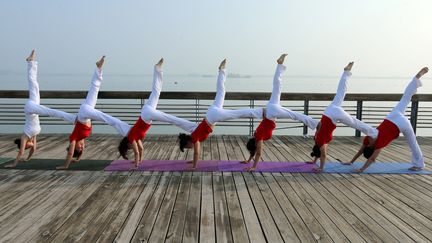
(149,217)
(83,217)
(268,224)
(43,208)
(119,217)
(207,219)
(178,219)
(344,226)
(128,229)
(282,223)
(237,222)
(221,214)
(345,202)
(163,219)
(250,216)
(377,211)
(301,229)
(191,232)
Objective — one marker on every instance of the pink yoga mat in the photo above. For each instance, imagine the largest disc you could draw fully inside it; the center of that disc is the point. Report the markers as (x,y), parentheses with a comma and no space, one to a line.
(208,165)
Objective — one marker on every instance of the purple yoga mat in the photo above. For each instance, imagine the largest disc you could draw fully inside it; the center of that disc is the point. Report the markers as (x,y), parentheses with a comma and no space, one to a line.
(207,165)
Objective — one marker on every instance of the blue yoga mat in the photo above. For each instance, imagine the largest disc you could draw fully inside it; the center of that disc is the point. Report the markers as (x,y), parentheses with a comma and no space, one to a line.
(286,167)
(375,168)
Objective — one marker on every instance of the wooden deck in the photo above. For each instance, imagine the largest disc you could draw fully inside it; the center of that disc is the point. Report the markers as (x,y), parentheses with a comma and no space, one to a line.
(66,206)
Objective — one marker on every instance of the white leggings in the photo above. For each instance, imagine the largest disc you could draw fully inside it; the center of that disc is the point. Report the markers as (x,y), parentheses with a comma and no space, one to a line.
(275,110)
(33,108)
(397,116)
(88,112)
(149,112)
(216,112)
(337,114)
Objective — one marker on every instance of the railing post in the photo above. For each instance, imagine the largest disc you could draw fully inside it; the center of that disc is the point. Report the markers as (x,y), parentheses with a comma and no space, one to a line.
(414,114)
(142,102)
(196,110)
(306,112)
(251,120)
(359,113)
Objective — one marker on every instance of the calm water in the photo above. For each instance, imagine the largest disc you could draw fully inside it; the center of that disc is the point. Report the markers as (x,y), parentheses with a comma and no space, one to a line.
(309,84)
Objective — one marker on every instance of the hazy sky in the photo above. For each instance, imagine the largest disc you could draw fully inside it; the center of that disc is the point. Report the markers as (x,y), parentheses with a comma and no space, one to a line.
(383,37)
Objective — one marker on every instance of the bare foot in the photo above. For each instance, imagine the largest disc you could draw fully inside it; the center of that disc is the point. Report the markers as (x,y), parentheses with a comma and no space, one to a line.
(422,72)
(281,59)
(349,66)
(192,169)
(100,63)
(222,64)
(250,169)
(415,168)
(32,56)
(62,167)
(317,170)
(244,162)
(358,171)
(11,165)
(159,64)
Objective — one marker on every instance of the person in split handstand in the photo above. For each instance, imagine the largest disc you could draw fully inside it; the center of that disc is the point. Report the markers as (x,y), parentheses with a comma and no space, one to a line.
(273,110)
(32,111)
(86,113)
(215,113)
(148,114)
(395,122)
(333,114)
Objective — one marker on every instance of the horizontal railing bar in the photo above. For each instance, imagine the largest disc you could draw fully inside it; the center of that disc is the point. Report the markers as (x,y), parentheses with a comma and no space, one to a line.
(210,95)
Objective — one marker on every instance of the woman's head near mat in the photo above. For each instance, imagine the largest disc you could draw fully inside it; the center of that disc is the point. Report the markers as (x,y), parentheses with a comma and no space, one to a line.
(124,147)
(185,141)
(316,151)
(251,146)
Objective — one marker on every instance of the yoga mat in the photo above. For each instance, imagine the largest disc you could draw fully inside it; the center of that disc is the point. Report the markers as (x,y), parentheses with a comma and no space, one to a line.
(5,160)
(289,167)
(50,164)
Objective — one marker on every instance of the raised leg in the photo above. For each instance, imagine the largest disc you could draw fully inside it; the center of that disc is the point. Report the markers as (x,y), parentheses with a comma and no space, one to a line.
(46,111)
(277,80)
(156,86)
(150,114)
(32,82)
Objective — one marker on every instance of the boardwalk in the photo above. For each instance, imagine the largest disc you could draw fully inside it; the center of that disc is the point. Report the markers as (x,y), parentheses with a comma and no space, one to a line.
(66,206)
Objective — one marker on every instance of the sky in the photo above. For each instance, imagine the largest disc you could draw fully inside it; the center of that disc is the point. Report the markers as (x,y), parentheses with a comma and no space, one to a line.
(383,38)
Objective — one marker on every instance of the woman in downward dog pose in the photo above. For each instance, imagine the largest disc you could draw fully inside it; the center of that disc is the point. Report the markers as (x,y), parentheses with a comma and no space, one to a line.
(333,114)
(32,111)
(86,114)
(148,114)
(273,110)
(396,122)
(215,113)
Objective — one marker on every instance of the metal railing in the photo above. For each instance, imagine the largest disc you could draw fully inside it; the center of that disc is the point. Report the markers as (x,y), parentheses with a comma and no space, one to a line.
(371,108)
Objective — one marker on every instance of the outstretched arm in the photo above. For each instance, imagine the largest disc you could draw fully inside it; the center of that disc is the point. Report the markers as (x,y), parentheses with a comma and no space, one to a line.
(141,149)
(69,156)
(369,161)
(136,153)
(196,155)
(357,155)
(258,153)
(323,158)
(32,149)
(248,160)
